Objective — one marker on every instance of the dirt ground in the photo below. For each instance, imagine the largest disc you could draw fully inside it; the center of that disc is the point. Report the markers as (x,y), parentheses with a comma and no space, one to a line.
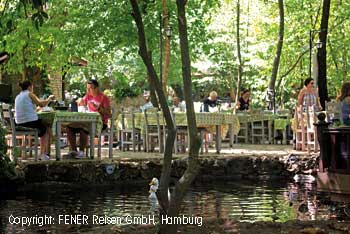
(226,151)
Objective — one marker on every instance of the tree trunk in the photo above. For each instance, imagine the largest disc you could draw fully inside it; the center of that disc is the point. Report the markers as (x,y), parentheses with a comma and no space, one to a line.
(153,78)
(239,56)
(271,90)
(232,90)
(24,71)
(193,165)
(152,89)
(165,70)
(322,55)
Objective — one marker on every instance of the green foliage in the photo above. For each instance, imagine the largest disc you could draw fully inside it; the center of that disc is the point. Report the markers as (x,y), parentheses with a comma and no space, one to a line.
(284,211)
(7,168)
(103,33)
(38,18)
(125,87)
(3,145)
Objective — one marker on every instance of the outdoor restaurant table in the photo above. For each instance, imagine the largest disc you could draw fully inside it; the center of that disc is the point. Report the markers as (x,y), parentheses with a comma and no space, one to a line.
(275,121)
(90,121)
(281,124)
(218,122)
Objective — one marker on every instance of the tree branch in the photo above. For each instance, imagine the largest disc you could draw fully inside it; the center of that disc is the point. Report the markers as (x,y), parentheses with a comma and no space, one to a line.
(291,69)
(166,169)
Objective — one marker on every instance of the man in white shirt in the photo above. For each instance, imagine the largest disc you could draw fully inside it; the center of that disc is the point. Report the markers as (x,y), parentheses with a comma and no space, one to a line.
(148,104)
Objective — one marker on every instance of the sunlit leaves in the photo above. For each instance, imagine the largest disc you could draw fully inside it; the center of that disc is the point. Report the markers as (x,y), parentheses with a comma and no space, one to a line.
(103,33)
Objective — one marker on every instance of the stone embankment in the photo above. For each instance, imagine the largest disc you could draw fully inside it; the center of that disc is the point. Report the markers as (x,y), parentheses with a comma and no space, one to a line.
(129,171)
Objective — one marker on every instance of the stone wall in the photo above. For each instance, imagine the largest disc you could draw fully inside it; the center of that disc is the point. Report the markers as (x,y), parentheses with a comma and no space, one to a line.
(97,172)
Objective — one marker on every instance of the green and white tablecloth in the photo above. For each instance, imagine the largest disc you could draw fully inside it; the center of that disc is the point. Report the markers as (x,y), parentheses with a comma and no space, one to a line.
(281,124)
(74,119)
(203,119)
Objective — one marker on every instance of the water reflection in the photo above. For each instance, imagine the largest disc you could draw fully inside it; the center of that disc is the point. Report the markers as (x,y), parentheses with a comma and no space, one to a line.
(302,197)
(244,201)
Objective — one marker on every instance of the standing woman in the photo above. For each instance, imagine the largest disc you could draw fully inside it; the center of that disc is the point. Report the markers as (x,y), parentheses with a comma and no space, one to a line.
(26,115)
(344,99)
(308,95)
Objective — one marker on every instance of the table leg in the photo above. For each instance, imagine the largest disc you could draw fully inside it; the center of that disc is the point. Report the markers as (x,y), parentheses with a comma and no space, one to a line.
(263,131)
(218,139)
(284,133)
(58,143)
(230,130)
(269,125)
(92,138)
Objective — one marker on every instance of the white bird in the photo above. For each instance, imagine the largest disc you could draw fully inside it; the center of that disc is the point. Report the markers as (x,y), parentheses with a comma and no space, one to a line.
(154,184)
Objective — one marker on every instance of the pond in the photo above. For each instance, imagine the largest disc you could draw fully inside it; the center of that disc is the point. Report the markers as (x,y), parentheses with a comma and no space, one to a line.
(238,200)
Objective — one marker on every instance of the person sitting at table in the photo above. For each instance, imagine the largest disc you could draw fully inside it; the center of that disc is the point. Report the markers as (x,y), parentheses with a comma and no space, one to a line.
(27,116)
(211,102)
(344,99)
(148,104)
(96,101)
(178,105)
(171,95)
(308,96)
(243,102)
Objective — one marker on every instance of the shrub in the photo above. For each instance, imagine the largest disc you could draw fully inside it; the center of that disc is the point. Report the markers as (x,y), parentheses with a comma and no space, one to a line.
(7,168)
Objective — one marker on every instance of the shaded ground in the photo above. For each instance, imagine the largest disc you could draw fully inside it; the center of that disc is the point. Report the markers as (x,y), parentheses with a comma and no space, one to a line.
(237,149)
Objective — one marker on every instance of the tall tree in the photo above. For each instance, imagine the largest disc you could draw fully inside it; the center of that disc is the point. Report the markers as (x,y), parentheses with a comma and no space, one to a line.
(276,61)
(166,31)
(172,209)
(195,142)
(145,55)
(239,56)
(322,54)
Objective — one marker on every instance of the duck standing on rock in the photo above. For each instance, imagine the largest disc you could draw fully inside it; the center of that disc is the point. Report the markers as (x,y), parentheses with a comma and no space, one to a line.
(154,184)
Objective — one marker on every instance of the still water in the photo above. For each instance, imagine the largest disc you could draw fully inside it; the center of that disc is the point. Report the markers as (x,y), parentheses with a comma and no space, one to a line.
(241,200)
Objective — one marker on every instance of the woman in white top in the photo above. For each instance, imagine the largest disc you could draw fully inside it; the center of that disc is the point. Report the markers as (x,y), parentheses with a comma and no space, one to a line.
(26,115)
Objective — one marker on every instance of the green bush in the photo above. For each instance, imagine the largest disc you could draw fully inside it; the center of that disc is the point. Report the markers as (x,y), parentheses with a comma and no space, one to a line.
(7,167)
(3,146)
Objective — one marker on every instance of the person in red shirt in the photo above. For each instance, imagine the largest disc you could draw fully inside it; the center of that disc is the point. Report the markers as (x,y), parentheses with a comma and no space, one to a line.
(96,101)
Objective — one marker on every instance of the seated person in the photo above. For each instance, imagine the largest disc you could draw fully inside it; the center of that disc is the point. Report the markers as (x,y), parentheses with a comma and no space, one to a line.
(344,99)
(308,96)
(148,104)
(210,101)
(209,105)
(178,105)
(26,115)
(96,101)
(243,104)
(171,95)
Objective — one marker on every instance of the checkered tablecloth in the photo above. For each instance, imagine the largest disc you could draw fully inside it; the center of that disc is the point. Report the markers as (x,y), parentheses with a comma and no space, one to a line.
(74,119)
(203,119)
(280,122)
